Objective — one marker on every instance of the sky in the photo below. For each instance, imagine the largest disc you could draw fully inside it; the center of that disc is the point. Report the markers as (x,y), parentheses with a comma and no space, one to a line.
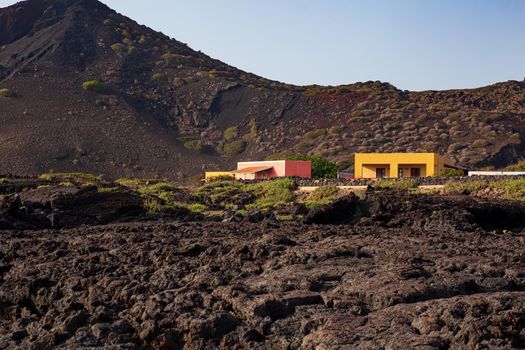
(413,44)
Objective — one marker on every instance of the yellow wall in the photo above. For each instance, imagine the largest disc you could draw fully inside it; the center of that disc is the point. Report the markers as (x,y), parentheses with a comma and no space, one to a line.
(430,164)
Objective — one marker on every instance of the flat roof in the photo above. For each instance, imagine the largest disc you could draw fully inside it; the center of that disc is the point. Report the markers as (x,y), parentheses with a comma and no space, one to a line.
(251,170)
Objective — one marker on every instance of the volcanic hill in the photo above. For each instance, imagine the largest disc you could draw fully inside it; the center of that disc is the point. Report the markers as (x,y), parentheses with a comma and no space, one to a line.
(156,108)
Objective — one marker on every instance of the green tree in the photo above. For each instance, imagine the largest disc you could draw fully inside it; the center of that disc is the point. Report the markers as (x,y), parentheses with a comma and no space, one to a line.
(322,168)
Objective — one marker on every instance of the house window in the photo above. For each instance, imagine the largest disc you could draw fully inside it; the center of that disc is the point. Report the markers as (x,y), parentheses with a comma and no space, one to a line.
(380,173)
(400,172)
(415,172)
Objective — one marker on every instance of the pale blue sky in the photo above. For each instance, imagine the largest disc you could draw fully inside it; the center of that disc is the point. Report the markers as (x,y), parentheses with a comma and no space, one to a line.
(413,44)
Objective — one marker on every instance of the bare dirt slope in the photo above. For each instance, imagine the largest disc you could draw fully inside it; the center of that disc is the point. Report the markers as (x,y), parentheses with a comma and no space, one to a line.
(164,107)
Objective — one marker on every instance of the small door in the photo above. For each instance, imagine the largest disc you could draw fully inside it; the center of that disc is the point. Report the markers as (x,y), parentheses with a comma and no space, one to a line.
(415,172)
(380,173)
(400,172)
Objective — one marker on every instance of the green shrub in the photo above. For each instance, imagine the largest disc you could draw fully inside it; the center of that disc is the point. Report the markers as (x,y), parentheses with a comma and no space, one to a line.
(401,184)
(254,127)
(321,196)
(450,172)
(197,207)
(100,102)
(93,85)
(119,48)
(455,187)
(69,176)
(270,194)
(516,167)
(5,92)
(285,218)
(158,77)
(513,188)
(156,188)
(156,206)
(193,145)
(231,134)
(108,189)
(315,134)
(325,192)
(233,148)
(3,181)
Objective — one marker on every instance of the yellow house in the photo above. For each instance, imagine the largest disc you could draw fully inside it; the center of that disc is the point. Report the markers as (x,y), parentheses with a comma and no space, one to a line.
(381,165)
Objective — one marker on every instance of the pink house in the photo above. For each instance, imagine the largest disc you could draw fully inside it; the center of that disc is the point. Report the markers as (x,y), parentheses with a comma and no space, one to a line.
(273,168)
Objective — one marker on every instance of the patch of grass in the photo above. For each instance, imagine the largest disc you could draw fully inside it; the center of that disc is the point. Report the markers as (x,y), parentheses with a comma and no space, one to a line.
(119,48)
(325,192)
(231,134)
(66,184)
(108,189)
(241,213)
(322,196)
(93,85)
(455,187)
(69,177)
(5,92)
(197,208)
(3,181)
(135,183)
(315,134)
(193,145)
(285,218)
(156,188)
(156,206)
(101,103)
(449,172)
(158,77)
(513,189)
(233,148)
(270,194)
(516,167)
(402,184)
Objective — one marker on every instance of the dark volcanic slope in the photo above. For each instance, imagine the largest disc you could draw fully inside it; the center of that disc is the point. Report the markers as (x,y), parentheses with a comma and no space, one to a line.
(212,285)
(165,107)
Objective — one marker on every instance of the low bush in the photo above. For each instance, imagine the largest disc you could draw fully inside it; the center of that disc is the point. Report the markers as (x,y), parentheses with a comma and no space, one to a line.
(315,134)
(469,187)
(516,167)
(233,148)
(119,48)
(69,177)
(512,188)
(325,192)
(197,207)
(155,206)
(156,188)
(402,184)
(93,85)
(5,92)
(231,134)
(449,172)
(193,145)
(158,77)
(270,194)
(321,196)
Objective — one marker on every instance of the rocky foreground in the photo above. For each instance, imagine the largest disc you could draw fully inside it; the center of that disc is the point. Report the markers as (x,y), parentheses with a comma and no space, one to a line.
(259,286)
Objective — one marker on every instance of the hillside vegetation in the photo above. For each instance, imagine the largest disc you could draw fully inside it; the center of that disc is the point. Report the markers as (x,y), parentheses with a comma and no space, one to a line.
(104,94)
